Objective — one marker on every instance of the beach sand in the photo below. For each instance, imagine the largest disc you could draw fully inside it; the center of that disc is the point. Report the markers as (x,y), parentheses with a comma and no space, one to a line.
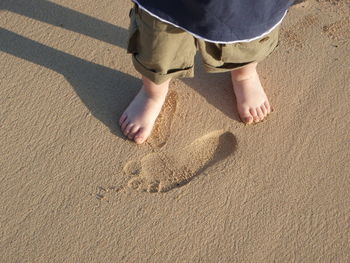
(205,187)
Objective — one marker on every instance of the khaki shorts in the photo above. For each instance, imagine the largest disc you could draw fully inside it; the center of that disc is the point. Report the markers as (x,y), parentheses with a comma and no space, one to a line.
(161,51)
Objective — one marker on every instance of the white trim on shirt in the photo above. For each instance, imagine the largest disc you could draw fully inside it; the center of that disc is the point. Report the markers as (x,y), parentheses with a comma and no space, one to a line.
(209,40)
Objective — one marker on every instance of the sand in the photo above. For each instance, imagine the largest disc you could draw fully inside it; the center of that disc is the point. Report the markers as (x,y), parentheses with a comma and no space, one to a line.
(205,187)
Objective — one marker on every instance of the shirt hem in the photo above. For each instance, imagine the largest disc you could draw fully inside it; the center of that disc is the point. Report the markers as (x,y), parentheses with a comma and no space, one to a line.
(210,40)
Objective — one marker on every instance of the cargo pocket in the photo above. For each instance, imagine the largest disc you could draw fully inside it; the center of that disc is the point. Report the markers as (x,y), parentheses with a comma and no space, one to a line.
(133,32)
(239,52)
(255,50)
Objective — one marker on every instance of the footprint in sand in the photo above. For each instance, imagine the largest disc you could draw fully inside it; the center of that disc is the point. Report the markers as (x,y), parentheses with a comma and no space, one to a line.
(162,127)
(339,30)
(293,37)
(160,172)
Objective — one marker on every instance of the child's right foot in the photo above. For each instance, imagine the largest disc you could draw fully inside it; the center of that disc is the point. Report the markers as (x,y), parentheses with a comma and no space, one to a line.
(138,119)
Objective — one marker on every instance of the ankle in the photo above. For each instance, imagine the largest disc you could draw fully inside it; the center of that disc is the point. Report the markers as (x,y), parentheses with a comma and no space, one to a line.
(245,73)
(153,95)
(153,90)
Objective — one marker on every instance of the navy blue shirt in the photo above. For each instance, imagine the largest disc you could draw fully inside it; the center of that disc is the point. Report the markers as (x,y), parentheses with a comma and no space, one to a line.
(220,20)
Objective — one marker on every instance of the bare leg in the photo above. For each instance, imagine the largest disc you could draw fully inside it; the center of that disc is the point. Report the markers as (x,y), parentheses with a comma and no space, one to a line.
(252,102)
(139,117)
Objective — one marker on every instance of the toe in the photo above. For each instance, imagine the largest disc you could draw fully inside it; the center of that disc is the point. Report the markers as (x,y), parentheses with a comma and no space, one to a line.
(267,106)
(142,135)
(133,131)
(139,138)
(128,129)
(260,114)
(122,118)
(246,117)
(254,114)
(124,125)
(264,110)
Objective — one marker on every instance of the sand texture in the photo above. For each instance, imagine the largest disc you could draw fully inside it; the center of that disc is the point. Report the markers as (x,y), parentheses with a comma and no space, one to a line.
(205,187)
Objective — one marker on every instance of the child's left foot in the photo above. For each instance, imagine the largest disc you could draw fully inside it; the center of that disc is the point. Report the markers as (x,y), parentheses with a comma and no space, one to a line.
(252,102)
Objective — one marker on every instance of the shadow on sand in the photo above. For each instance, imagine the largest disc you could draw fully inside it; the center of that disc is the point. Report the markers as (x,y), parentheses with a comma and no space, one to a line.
(215,88)
(57,15)
(99,87)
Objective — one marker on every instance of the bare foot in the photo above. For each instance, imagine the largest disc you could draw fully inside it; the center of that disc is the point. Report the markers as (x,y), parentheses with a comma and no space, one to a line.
(138,119)
(252,102)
